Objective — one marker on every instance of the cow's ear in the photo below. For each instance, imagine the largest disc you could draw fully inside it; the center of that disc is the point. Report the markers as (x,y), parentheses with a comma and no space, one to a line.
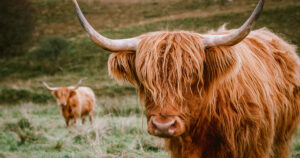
(72,93)
(54,93)
(121,66)
(220,64)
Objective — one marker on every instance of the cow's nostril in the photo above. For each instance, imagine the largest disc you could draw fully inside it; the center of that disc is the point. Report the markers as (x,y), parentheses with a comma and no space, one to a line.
(164,126)
(171,131)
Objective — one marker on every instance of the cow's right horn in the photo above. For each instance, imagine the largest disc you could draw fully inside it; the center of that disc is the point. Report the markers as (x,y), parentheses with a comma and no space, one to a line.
(237,35)
(103,42)
(79,83)
(48,87)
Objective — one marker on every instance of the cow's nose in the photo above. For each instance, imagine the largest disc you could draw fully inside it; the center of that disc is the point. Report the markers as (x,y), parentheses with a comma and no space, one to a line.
(164,129)
(162,126)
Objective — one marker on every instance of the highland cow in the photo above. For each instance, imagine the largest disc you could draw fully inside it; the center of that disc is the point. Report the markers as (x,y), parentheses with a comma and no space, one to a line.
(224,94)
(74,102)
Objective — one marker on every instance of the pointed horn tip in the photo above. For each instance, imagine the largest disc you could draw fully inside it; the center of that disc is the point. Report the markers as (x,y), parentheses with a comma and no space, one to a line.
(82,79)
(103,42)
(44,83)
(261,4)
(48,87)
(75,3)
(85,78)
(243,31)
(257,11)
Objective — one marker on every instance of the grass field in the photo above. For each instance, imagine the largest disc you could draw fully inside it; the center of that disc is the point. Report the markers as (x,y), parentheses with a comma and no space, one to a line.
(30,121)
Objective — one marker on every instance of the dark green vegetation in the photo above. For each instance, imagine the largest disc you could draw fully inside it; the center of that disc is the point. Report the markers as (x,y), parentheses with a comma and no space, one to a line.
(54,47)
(16,26)
(30,121)
(12,96)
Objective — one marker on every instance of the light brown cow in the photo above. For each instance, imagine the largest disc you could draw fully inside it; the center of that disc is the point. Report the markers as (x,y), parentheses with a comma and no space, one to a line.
(74,102)
(225,94)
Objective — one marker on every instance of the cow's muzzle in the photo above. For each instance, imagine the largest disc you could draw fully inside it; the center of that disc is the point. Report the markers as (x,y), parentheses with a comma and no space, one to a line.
(63,103)
(171,126)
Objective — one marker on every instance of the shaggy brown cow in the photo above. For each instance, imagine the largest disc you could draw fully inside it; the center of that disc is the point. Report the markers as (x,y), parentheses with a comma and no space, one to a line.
(74,102)
(226,94)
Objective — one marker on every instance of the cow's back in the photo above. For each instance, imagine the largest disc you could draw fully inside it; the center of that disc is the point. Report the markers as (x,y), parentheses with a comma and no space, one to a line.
(285,93)
(282,68)
(272,73)
(261,94)
(87,100)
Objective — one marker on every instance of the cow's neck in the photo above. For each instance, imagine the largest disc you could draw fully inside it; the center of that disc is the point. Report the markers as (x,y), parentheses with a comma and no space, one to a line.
(183,147)
(194,146)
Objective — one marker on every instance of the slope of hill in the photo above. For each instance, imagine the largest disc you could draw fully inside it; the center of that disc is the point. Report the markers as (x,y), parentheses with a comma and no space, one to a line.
(30,123)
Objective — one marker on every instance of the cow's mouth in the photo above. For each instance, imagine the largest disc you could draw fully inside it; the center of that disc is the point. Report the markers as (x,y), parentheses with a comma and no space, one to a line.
(171,126)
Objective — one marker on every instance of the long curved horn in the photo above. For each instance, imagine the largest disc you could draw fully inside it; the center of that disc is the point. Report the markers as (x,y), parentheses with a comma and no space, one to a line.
(78,84)
(48,87)
(103,42)
(237,35)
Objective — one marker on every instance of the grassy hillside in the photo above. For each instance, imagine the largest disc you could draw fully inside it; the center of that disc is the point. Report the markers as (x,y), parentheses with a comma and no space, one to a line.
(57,16)
(30,121)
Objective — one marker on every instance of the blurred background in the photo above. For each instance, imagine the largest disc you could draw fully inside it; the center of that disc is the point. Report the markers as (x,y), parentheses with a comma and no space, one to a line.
(42,40)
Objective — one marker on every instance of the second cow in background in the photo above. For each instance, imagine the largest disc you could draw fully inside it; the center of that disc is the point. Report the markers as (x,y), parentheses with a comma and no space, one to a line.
(74,102)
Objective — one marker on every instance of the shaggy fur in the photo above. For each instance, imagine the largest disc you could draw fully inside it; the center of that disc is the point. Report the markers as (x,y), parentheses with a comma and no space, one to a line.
(75,104)
(235,102)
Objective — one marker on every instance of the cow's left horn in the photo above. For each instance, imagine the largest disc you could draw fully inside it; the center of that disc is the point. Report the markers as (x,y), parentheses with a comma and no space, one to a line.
(48,87)
(237,35)
(103,42)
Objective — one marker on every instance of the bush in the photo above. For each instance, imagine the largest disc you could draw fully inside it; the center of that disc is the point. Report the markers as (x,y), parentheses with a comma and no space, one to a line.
(25,131)
(24,123)
(16,26)
(12,96)
(58,145)
(80,139)
(48,52)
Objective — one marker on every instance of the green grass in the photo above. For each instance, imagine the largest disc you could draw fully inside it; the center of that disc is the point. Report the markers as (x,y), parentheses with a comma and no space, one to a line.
(30,121)
(46,136)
